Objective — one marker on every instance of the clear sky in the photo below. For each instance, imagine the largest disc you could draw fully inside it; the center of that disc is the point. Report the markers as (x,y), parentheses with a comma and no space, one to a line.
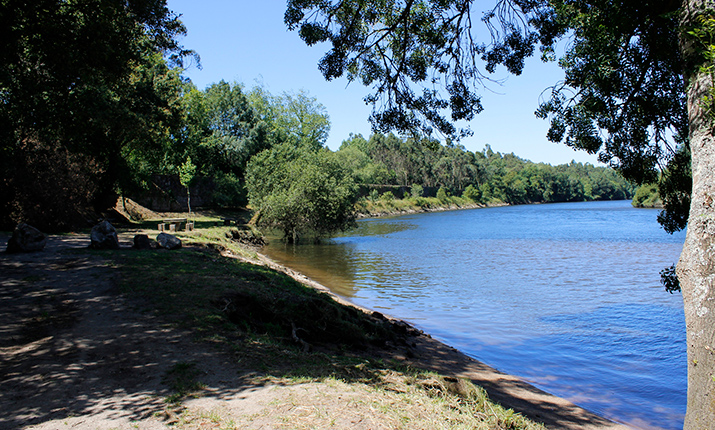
(246,41)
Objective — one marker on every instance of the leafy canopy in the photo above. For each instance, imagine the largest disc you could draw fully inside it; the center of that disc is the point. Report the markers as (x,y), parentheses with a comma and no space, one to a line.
(421,57)
(87,84)
(300,190)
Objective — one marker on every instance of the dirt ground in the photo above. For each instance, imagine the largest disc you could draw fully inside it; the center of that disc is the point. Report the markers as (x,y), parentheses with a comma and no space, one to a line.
(75,354)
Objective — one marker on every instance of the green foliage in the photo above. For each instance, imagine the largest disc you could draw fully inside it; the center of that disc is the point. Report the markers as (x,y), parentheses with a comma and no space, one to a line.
(646,196)
(303,120)
(187,171)
(472,193)
(624,95)
(442,195)
(704,36)
(387,196)
(223,131)
(398,48)
(374,195)
(299,191)
(491,176)
(85,80)
(229,191)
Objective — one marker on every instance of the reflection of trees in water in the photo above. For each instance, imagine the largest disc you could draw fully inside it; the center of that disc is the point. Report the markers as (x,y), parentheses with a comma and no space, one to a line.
(337,263)
(380,227)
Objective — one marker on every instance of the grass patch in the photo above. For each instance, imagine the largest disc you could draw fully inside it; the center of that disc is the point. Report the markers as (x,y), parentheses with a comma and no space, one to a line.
(263,315)
(182,380)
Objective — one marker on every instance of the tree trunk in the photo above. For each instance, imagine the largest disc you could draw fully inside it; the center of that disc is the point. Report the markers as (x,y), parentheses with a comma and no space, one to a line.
(696,267)
(188,200)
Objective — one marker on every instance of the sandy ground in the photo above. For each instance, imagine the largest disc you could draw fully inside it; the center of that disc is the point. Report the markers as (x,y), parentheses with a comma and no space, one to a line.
(75,354)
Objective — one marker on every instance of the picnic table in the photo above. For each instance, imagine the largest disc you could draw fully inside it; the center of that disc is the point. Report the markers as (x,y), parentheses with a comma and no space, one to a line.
(174,224)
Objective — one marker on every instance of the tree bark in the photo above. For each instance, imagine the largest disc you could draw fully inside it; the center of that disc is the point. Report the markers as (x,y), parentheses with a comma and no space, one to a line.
(696,267)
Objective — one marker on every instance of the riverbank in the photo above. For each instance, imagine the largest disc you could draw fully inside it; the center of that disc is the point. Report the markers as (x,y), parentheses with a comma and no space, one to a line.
(507,390)
(135,339)
(396,207)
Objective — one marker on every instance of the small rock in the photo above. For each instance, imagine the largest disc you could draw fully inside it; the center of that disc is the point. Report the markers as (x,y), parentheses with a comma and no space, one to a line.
(26,238)
(142,241)
(104,236)
(168,241)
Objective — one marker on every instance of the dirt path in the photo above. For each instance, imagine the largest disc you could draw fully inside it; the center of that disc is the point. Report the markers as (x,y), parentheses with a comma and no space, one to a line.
(75,354)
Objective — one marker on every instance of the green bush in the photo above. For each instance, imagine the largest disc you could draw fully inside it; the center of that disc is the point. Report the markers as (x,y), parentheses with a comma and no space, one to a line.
(646,196)
(387,196)
(300,190)
(416,191)
(442,195)
(472,193)
(229,191)
(374,195)
(422,202)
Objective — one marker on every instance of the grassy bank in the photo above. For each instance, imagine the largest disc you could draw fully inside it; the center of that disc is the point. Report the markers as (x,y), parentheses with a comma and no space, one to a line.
(282,331)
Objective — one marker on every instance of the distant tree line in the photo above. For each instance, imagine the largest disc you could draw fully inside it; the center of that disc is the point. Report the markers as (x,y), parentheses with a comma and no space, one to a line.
(485,176)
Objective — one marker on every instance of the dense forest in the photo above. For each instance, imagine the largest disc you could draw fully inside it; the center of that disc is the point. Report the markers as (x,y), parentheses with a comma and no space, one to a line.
(484,176)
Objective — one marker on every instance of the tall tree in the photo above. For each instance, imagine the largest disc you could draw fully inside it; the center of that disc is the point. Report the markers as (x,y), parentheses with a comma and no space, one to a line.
(79,80)
(638,91)
(302,119)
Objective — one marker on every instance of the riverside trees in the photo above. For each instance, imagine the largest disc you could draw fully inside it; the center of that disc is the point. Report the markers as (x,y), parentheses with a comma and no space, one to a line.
(301,189)
(85,93)
(638,91)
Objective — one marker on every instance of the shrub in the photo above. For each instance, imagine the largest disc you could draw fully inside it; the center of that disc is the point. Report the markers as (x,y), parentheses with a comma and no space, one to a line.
(442,195)
(472,193)
(416,191)
(387,196)
(646,196)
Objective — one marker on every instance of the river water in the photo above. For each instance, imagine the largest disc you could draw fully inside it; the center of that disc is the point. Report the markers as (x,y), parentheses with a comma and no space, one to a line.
(566,296)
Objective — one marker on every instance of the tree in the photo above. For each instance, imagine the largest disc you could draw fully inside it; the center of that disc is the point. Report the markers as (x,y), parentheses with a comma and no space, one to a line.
(302,119)
(301,191)
(638,91)
(187,172)
(222,130)
(86,81)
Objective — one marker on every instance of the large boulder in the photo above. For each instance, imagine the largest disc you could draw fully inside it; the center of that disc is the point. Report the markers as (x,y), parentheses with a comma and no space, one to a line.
(168,241)
(142,241)
(103,236)
(26,238)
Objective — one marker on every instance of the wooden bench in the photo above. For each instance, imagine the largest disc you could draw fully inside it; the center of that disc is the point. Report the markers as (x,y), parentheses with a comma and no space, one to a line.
(228,221)
(174,224)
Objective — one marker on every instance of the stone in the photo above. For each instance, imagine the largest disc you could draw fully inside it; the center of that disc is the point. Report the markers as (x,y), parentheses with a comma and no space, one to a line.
(168,241)
(103,236)
(26,238)
(142,241)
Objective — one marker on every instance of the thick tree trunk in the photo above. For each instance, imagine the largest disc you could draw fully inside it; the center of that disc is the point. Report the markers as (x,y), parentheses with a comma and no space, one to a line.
(696,268)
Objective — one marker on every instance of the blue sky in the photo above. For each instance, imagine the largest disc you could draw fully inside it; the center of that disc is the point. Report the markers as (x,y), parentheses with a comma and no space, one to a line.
(246,41)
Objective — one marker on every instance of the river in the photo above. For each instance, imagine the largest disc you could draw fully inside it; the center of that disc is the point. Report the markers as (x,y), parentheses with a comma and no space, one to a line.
(566,296)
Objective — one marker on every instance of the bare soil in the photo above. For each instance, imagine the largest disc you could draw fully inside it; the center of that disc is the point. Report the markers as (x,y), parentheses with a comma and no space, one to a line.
(75,353)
